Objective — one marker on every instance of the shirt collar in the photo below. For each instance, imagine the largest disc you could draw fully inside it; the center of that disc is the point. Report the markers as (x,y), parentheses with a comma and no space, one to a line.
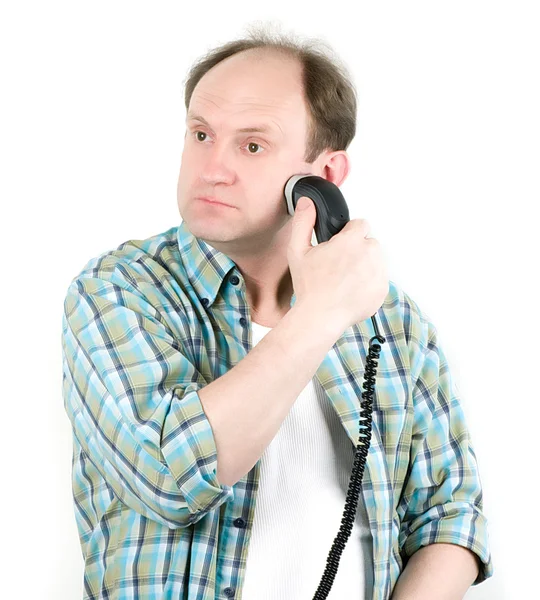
(205,266)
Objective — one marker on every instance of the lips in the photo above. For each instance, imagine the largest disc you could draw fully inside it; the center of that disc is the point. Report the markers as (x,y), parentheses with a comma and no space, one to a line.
(212,200)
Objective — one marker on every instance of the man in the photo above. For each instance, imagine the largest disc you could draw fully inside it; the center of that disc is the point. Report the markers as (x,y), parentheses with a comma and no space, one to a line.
(214,393)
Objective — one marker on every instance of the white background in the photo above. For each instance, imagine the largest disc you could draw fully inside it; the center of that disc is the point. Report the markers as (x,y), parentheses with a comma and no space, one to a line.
(445,168)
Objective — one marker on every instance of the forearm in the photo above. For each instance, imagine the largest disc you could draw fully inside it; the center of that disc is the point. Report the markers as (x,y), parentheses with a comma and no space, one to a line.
(437,572)
(247,405)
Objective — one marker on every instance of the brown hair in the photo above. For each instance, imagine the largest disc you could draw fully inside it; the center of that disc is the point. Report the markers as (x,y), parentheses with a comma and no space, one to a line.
(329,92)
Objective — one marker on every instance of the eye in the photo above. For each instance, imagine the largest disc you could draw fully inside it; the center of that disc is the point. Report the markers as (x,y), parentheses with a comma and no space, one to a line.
(198,133)
(254,144)
(195,133)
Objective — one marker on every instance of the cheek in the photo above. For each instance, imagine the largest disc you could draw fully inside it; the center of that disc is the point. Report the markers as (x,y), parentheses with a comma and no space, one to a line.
(188,168)
(184,181)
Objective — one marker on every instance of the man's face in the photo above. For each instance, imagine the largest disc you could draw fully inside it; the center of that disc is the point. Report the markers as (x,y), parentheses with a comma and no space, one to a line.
(247,170)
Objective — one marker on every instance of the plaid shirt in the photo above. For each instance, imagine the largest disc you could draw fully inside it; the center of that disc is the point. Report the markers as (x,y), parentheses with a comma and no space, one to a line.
(149,324)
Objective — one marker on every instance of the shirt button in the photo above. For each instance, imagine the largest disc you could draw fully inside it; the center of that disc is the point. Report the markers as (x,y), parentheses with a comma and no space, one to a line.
(229,592)
(239,523)
(205,301)
(235,280)
(243,322)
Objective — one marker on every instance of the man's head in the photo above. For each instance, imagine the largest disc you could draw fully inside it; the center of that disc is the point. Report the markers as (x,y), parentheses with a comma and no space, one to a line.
(308,105)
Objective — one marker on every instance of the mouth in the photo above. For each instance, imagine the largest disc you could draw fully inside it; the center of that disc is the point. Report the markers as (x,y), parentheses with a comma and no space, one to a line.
(213,201)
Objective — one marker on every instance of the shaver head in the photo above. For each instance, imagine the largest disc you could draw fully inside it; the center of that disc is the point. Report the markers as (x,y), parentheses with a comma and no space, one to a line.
(332,210)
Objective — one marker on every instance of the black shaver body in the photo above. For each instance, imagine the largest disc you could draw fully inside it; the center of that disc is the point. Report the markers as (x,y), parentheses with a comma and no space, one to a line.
(332,210)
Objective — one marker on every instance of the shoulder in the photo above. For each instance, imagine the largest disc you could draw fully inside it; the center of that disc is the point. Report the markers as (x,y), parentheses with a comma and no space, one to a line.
(408,326)
(135,259)
(405,317)
(144,274)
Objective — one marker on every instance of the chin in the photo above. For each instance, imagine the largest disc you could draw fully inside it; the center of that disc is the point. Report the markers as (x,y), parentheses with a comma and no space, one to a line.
(208,230)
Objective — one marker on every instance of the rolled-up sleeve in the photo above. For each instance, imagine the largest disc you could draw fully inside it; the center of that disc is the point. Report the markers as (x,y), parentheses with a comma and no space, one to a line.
(442,498)
(131,395)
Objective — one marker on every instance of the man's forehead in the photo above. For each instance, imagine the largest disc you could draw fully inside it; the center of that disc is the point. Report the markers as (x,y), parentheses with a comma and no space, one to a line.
(256,124)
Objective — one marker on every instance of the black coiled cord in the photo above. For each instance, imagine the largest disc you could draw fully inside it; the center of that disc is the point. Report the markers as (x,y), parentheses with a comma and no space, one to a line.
(360,456)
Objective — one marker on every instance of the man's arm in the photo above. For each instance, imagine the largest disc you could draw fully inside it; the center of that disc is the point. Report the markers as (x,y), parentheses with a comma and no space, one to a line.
(437,572)
(441,498)
(130,393)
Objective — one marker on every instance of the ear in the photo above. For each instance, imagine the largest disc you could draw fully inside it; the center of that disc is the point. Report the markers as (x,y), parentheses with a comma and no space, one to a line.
(335,166)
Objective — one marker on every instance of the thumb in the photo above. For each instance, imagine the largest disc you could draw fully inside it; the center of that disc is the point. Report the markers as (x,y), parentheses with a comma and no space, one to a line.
(303,224)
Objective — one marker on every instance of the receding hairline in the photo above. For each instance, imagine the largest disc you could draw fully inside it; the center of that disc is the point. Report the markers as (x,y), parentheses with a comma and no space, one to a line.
(268,128)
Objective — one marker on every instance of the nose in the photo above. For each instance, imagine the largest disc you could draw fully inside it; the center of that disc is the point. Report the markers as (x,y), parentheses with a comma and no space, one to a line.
(215,167)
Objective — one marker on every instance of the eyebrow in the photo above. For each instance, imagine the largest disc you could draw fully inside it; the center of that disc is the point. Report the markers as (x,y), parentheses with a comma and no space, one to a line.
(257,128)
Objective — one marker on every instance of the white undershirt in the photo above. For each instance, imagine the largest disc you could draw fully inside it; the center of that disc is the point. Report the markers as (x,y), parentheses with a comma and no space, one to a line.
(304,479)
